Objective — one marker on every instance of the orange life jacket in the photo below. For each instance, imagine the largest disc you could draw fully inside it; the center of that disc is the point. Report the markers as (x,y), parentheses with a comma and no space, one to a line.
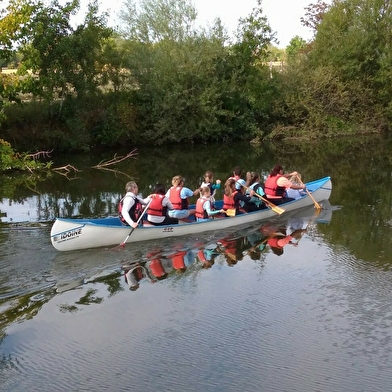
(272,189)
(228,202)
(156,208)
(200,211)
(175,198)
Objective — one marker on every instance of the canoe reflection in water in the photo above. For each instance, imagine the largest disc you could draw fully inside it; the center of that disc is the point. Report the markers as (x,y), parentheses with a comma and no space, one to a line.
(166,259)
(271,237)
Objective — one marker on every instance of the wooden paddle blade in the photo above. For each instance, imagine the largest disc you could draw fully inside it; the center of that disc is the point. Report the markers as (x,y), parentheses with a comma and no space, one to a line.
(316,205)
(230,212)
(277,209)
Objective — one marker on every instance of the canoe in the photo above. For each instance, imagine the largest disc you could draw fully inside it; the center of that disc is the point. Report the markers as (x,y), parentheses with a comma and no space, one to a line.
(73,234)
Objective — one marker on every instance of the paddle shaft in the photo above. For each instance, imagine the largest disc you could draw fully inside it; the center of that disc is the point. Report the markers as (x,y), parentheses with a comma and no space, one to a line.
(316,205)
(273,207)
(138,221)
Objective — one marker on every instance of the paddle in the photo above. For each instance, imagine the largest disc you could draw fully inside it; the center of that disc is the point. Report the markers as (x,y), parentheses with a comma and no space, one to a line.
(230,212)
(273,207)
(122,245)
(316,205)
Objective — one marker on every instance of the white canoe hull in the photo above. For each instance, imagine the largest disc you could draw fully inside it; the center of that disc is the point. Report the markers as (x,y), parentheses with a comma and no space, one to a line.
(75,234)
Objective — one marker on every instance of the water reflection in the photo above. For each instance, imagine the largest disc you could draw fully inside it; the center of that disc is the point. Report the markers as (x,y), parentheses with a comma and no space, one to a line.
(163,262)
(159,262)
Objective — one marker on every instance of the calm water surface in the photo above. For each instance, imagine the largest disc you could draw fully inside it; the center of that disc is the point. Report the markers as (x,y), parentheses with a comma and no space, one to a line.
(234,314)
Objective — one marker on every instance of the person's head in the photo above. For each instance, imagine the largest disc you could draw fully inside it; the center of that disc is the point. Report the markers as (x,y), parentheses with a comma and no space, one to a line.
(208,176)
(205,191)
(254,177)
(277,169)
(208,264)
(131,186)
(133,276)
(237,171)
(229,186)
(277,251)
(159,189)
(177,181)
(296,180)
(231,259)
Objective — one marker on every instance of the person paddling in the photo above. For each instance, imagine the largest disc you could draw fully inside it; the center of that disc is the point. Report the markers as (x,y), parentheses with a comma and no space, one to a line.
(130,206)
(253,182)
(277,183)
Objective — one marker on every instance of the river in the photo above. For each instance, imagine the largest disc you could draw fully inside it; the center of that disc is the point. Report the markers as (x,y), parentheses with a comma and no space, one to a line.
(220,311)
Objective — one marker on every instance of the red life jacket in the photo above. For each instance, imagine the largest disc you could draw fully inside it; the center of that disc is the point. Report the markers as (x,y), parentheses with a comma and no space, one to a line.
(228,202)
(273,242)
(230,246)
(272,189)
(157,268)
(201,256)
(175,198)
(134,212)
(156,208)
(200,211)
(178,260)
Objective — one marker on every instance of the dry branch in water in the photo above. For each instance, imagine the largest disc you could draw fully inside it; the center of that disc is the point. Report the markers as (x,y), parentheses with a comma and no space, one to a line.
(103,165)
(40,154)
(116,159)
(65,170)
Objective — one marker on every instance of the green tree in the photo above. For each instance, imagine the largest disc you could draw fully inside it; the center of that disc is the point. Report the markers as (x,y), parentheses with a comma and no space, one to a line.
(151,21)
(12,18)
(296,45)
(63,60)
(255,90)
(172,69)
(355,38)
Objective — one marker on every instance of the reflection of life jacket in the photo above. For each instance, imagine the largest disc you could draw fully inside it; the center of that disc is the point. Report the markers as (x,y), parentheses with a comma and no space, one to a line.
(134,211)
(178,260)
(228,202)
(273,242)
(230,245)
(157,268)
(175,198)
(200,211)
(156,208)
(201,256)
(272,189)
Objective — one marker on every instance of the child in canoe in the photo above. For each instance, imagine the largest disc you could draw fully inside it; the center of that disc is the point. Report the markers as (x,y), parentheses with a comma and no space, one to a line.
(209,181)
(204,207)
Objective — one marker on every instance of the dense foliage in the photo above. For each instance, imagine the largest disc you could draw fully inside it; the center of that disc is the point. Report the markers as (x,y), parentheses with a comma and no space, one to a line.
(159,79)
